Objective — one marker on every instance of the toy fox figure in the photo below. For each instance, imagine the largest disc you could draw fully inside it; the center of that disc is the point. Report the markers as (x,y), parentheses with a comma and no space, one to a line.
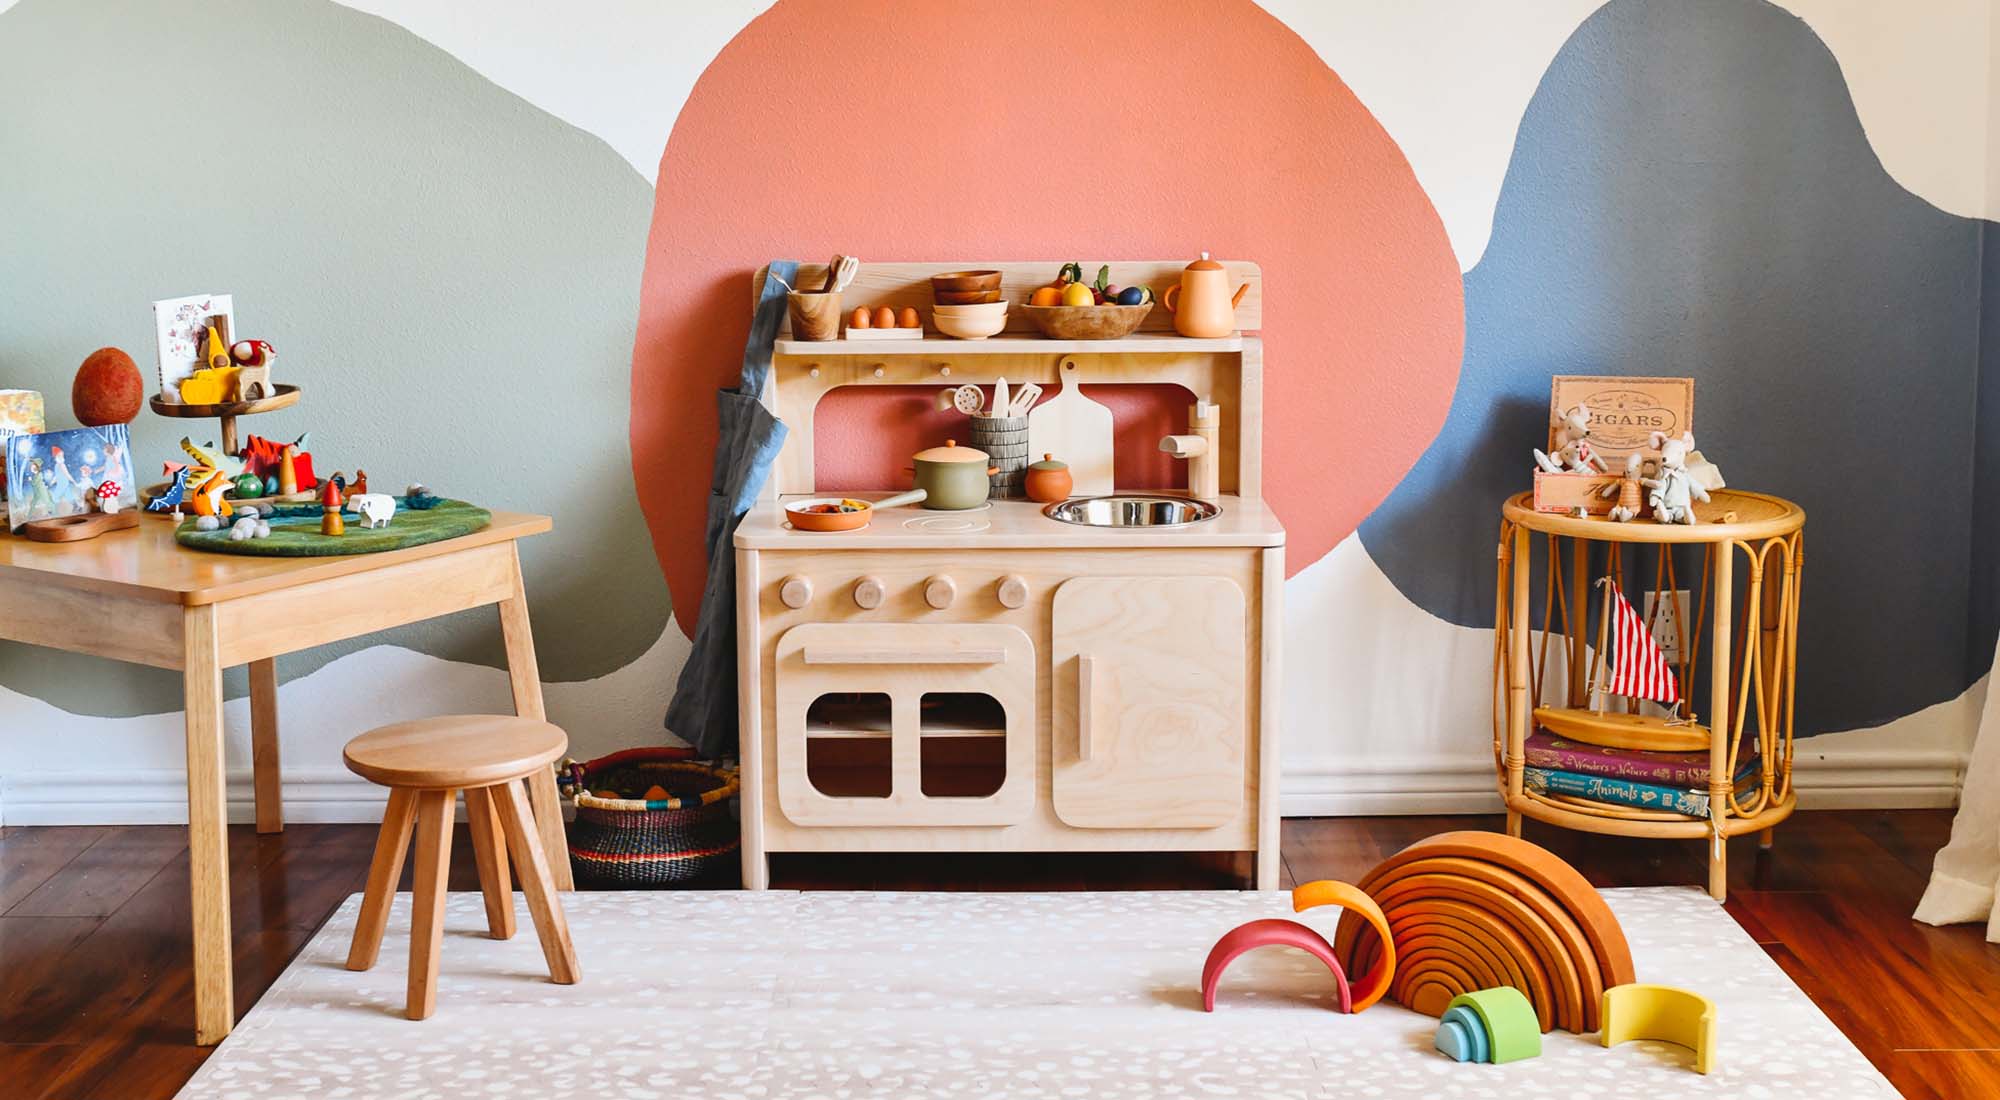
(208,497)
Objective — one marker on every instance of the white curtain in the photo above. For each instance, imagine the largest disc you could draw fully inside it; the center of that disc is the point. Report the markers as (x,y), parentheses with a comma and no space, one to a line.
(1967,869)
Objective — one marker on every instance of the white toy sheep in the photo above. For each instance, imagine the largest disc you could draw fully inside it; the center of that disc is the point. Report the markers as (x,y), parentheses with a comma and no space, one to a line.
(375,508)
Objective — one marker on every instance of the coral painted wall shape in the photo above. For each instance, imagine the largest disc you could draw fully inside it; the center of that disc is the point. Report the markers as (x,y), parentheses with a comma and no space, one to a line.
(942,132)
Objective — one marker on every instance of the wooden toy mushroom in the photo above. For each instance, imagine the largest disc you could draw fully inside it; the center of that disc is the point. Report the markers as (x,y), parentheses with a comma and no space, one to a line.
(330,501)
(107,497)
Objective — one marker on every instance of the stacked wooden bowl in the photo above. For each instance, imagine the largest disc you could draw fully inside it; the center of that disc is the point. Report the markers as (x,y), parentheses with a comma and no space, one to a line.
(1473,910)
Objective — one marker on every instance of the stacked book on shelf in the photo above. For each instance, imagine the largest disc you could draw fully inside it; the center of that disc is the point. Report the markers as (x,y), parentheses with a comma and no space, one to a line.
(1676,782)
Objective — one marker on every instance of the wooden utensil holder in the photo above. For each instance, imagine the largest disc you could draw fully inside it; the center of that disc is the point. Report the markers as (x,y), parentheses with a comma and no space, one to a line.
(815,314)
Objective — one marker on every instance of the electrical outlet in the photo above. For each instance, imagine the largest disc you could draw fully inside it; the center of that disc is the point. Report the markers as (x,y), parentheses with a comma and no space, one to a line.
(1671,625)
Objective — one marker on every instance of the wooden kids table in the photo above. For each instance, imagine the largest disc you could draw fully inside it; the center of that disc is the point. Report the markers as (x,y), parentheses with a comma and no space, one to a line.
(137,596)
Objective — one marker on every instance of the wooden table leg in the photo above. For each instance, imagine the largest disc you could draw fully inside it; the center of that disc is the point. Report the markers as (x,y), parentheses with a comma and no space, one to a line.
(526,680)
(264,745)
(208,840)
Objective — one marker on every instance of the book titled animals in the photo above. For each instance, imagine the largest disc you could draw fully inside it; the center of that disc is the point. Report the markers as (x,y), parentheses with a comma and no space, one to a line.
(1625,792)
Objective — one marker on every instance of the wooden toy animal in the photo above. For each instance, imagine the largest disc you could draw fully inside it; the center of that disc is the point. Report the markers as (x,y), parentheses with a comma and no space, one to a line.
(268,459)
(208,499)
(1675,490)
(1572,445)
(375,508)
(253,379)
(176,494)
(209,457)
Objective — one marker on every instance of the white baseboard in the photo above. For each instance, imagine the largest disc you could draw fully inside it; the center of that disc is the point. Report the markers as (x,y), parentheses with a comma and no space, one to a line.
(158,796)
(1854,779)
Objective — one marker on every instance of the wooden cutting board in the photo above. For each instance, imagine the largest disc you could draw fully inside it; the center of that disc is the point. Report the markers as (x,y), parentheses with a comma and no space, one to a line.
(1075,430)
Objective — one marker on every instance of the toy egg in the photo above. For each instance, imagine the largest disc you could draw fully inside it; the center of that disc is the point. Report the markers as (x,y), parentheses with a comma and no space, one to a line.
(108,389)
(1048,481)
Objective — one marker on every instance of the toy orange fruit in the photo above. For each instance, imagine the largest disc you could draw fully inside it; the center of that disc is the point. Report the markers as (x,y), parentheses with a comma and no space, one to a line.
(908,318)
(885,317)
(1046,296)
(859,318)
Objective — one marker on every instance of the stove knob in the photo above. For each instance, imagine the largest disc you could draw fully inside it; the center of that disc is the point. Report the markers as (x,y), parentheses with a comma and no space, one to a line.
(868,593)
(1013,590)
(796,591)
(939,591)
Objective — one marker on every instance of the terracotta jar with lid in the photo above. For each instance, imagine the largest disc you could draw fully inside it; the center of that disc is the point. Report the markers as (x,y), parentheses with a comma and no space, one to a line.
(1048,481)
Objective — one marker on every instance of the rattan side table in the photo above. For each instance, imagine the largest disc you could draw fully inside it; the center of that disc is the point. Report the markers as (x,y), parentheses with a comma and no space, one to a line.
(1749,548)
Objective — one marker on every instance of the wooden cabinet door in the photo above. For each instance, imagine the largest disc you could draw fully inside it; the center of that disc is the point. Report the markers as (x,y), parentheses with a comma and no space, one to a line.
(903,664)
(1150,722)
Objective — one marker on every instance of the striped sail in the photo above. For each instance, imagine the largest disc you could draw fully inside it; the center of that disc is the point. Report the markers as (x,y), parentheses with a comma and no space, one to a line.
(1638,668)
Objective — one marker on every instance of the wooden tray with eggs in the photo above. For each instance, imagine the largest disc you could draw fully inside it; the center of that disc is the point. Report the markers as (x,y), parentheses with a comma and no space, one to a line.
(884,323)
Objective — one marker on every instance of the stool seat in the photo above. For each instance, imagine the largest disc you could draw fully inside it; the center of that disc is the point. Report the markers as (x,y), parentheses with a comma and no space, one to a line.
(455,751)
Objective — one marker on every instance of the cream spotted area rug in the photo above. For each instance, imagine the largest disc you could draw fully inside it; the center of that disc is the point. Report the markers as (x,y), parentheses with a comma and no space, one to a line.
(975,996)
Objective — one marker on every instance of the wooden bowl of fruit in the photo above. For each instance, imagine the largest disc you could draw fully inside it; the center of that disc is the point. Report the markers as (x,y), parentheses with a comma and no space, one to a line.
(1070,309)
(1086,322)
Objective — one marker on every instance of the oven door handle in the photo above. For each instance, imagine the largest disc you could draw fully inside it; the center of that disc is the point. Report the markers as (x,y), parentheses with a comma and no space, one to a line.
(1085,703)
(855,655)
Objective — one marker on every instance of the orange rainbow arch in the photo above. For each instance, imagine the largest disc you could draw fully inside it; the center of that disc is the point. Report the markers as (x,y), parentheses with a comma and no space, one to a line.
(1473,910)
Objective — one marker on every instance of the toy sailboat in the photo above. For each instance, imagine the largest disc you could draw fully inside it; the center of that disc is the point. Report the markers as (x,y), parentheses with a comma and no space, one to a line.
(1638,671)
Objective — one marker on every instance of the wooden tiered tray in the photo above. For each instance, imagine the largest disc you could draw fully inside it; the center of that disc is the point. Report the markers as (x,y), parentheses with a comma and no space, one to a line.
(227,411)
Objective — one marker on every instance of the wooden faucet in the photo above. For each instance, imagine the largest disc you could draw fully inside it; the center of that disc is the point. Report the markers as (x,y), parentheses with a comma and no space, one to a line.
(1199,449)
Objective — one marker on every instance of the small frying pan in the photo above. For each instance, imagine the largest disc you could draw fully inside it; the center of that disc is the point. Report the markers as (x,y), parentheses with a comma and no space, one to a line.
(843,521)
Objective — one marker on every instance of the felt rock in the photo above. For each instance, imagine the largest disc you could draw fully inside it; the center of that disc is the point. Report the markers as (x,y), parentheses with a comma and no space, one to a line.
(206,523)
(108,388)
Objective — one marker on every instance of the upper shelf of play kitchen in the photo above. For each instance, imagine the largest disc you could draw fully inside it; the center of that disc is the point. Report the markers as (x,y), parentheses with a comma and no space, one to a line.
(900,309)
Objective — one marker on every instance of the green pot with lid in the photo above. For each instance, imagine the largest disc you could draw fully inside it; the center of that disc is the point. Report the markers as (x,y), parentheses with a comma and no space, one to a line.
(953,477)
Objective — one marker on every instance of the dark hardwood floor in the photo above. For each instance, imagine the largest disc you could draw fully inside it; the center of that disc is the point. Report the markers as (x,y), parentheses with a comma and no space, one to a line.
(96,994)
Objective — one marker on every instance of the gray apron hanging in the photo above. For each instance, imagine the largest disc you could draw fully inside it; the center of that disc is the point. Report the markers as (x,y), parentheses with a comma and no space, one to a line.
(703,711)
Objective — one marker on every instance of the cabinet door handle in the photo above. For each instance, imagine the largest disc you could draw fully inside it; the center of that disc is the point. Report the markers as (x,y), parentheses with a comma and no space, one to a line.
(844,655)
(1084,704)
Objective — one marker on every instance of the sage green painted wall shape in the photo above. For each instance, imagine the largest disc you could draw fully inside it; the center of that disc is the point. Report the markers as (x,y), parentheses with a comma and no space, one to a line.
(452,274)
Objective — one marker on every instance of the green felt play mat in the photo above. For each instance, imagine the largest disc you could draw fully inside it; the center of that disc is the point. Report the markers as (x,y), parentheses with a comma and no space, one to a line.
(295,531)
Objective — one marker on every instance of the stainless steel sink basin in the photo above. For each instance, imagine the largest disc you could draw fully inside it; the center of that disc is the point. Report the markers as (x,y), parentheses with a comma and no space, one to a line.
(1131,510)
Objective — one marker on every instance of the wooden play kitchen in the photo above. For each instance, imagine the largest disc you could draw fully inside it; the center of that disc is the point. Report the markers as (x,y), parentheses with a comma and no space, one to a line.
(1100,676)
(1751,660)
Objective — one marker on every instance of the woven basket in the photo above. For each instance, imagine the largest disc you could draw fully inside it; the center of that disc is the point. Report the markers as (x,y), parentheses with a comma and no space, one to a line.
(633,842)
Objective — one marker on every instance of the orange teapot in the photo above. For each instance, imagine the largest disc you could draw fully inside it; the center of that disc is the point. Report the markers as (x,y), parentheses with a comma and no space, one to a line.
(1207,310)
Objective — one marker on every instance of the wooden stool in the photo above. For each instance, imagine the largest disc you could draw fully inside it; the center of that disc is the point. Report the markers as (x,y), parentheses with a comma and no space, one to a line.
(425,764)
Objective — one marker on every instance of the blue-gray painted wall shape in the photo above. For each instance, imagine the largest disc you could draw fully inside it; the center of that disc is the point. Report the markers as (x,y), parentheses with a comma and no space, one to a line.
(452,274)
(1691,193)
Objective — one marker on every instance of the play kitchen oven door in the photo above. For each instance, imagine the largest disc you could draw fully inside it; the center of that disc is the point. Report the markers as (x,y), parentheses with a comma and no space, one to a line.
(905,724)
